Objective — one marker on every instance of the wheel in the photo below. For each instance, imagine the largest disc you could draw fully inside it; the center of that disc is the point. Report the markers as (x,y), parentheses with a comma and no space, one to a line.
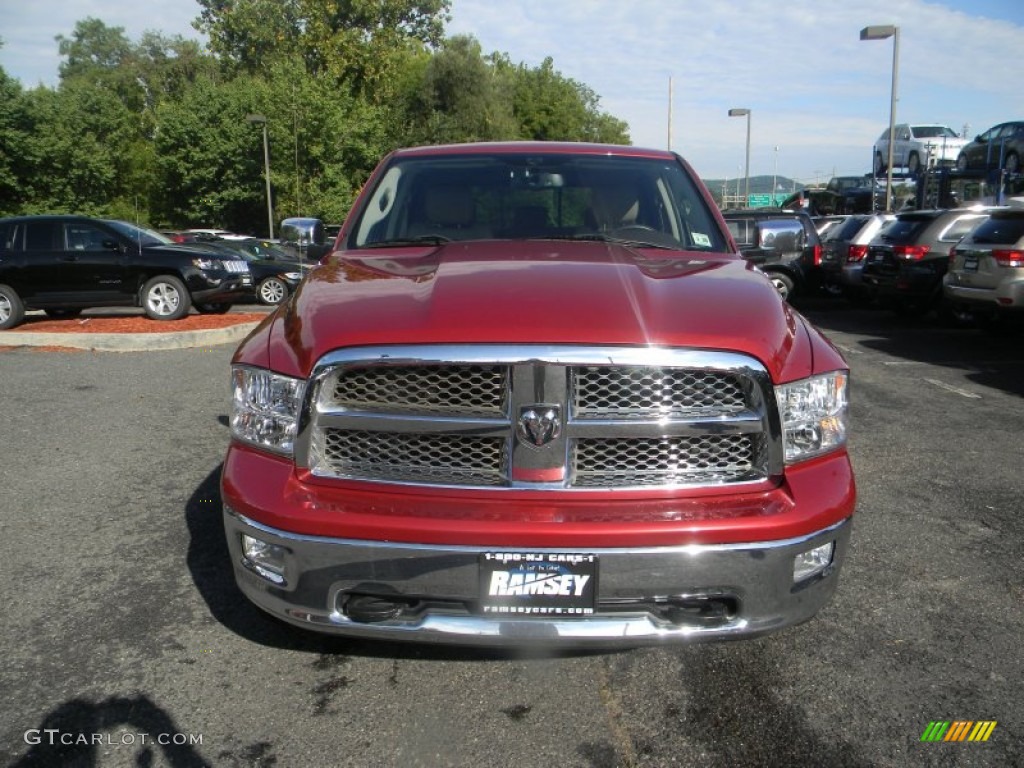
(913,164)
(1012,162)
(212,309)
(165,298)
(783,284)
(961,162)
(63,313)
(879,164)
(272,290)
(12,310)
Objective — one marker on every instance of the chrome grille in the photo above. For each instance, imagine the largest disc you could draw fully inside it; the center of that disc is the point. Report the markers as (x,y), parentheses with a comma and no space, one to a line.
(464,416)
(607,392)
(628,462)
(426,459)
(473,390)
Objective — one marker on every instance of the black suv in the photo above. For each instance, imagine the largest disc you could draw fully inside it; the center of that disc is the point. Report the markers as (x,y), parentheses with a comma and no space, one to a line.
(907,260)
(64,264)
(783,244)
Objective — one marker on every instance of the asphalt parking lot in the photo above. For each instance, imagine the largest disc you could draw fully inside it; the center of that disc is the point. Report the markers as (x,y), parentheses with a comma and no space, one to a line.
(125,641)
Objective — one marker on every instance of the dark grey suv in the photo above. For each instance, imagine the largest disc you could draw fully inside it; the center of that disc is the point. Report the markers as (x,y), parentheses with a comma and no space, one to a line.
(64,264)
(783,244)
(907,260)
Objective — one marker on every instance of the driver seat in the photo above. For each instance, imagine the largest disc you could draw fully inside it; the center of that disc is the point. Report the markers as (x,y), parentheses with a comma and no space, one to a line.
(612,207)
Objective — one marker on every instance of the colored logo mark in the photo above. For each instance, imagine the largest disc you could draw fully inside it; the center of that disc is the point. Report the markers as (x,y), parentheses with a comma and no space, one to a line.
(958,730)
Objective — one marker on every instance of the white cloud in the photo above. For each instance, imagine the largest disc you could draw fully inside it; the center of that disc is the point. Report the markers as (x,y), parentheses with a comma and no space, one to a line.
(816,90)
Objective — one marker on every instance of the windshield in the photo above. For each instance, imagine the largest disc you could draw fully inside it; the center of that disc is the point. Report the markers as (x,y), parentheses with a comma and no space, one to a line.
(934,132)
(846,229)
(643,202)
(138,234)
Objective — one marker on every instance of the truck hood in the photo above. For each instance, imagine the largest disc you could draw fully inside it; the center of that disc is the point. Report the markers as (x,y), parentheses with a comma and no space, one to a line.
(527,292)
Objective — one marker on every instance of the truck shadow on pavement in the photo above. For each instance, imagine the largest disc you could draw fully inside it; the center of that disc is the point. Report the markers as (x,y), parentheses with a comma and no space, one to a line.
(83,733)
(210,566)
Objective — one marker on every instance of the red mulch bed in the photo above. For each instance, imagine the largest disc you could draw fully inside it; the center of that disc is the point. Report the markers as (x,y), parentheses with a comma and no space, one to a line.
(134,323)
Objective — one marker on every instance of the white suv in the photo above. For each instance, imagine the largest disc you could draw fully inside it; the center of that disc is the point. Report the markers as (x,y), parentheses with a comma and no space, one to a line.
(918,146)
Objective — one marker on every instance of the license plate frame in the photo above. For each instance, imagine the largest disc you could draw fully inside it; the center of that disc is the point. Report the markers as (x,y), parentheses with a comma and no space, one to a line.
(518,584)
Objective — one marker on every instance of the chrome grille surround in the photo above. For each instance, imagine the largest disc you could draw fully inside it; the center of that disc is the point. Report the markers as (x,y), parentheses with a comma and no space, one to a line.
(629,417)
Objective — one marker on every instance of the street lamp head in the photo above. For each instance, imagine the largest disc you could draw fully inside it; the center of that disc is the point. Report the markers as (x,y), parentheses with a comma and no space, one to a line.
(880,32)
(256,118)
(738,112)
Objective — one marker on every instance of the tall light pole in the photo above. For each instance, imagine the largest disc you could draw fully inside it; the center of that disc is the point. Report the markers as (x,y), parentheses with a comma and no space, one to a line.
(775,175)
(738,112)
(670,113)
(260,119)
(884,32)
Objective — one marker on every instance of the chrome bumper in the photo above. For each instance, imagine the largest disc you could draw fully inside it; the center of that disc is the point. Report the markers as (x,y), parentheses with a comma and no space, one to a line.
(1008,295)
(640,591)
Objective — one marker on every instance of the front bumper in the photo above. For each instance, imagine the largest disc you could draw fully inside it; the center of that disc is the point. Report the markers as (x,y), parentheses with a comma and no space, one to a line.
(644,595)
(213,289)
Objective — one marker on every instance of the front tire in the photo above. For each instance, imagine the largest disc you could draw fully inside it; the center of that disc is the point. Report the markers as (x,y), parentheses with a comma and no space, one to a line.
(879,164)
(961,162)
(165,298)
(913,164)
(12,309)
(272,291)
(1012,163)
(783,284)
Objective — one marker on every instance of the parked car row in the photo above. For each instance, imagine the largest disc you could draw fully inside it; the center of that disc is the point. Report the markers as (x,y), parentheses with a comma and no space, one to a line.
(922,146)
(960,262)
(64,264)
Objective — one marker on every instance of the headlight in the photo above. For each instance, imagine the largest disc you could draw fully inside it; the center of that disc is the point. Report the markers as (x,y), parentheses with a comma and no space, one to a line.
(813,415)
(265,408)
(203,263)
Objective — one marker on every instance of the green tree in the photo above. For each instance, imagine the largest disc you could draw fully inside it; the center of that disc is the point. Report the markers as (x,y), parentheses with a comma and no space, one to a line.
(15,129)
(357,43)
(458,97)
(72,151)
(551,107)
(113,87)
(208,159)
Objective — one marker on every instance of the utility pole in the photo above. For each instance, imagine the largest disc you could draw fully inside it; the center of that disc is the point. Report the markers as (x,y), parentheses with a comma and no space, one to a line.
(670,113)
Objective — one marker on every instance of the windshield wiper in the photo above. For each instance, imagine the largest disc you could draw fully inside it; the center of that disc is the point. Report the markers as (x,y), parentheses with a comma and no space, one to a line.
(400,241)
(629,242)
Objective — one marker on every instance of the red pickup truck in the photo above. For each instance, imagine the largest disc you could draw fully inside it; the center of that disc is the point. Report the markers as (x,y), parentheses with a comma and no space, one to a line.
(536,395)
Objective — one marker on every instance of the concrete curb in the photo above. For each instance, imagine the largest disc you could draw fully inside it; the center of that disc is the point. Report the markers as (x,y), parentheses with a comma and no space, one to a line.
(128,342)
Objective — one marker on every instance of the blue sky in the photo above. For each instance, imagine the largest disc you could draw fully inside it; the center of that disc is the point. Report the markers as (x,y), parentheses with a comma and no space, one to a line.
(815,90)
